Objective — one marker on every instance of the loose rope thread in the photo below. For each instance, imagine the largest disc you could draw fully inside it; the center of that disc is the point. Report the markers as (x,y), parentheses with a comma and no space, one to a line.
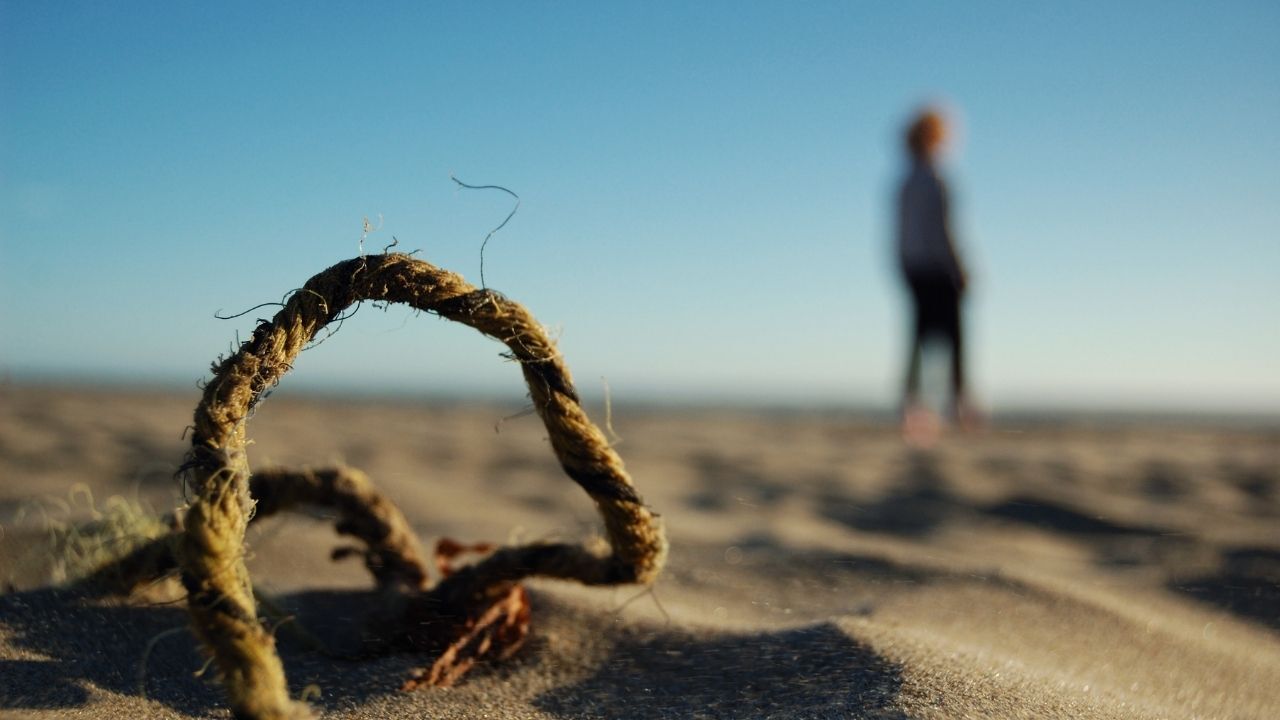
(211,548)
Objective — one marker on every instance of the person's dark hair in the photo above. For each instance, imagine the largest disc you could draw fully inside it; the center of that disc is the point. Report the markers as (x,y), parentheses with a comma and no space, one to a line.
(926,132)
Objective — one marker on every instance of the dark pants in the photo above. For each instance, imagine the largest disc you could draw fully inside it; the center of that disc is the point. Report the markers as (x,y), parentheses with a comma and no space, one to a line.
(937,313)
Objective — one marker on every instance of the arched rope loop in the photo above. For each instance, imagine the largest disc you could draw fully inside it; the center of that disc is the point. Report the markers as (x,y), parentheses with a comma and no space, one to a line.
(211,550)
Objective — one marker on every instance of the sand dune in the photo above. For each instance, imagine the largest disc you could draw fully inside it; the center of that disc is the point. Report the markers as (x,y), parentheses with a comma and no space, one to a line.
(819,568)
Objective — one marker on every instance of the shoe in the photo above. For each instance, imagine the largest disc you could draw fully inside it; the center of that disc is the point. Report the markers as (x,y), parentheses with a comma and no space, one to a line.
(921,427)
(967,417)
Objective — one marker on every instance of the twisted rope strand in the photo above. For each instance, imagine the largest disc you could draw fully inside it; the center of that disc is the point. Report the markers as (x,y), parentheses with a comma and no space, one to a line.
(391,553)
(211,550)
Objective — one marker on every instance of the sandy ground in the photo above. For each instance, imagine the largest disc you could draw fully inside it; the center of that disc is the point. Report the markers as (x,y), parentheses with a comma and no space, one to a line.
(819,568)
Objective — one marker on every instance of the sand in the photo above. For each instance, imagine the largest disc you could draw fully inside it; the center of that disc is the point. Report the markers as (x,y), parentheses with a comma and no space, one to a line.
(819,567)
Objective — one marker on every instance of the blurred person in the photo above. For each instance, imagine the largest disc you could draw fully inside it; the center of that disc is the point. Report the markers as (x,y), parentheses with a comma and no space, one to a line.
(934,275)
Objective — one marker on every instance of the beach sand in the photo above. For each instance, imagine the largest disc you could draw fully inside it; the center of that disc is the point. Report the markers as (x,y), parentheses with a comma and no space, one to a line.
(819,568)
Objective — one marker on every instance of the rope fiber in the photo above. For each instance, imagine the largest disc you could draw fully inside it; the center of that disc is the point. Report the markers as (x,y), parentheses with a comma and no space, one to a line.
(211,546)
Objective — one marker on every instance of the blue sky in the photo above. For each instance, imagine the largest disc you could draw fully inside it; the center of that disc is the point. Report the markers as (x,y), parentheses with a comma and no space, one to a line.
(706,190)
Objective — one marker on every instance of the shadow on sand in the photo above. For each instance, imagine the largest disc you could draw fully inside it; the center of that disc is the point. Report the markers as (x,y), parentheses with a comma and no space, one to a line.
(1247,584)
(814,671)
(85,644)
(147,651)
(918,504)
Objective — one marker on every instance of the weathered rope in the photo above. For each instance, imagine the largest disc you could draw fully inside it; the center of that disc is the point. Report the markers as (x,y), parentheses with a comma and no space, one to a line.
(391,549)
(211,552)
